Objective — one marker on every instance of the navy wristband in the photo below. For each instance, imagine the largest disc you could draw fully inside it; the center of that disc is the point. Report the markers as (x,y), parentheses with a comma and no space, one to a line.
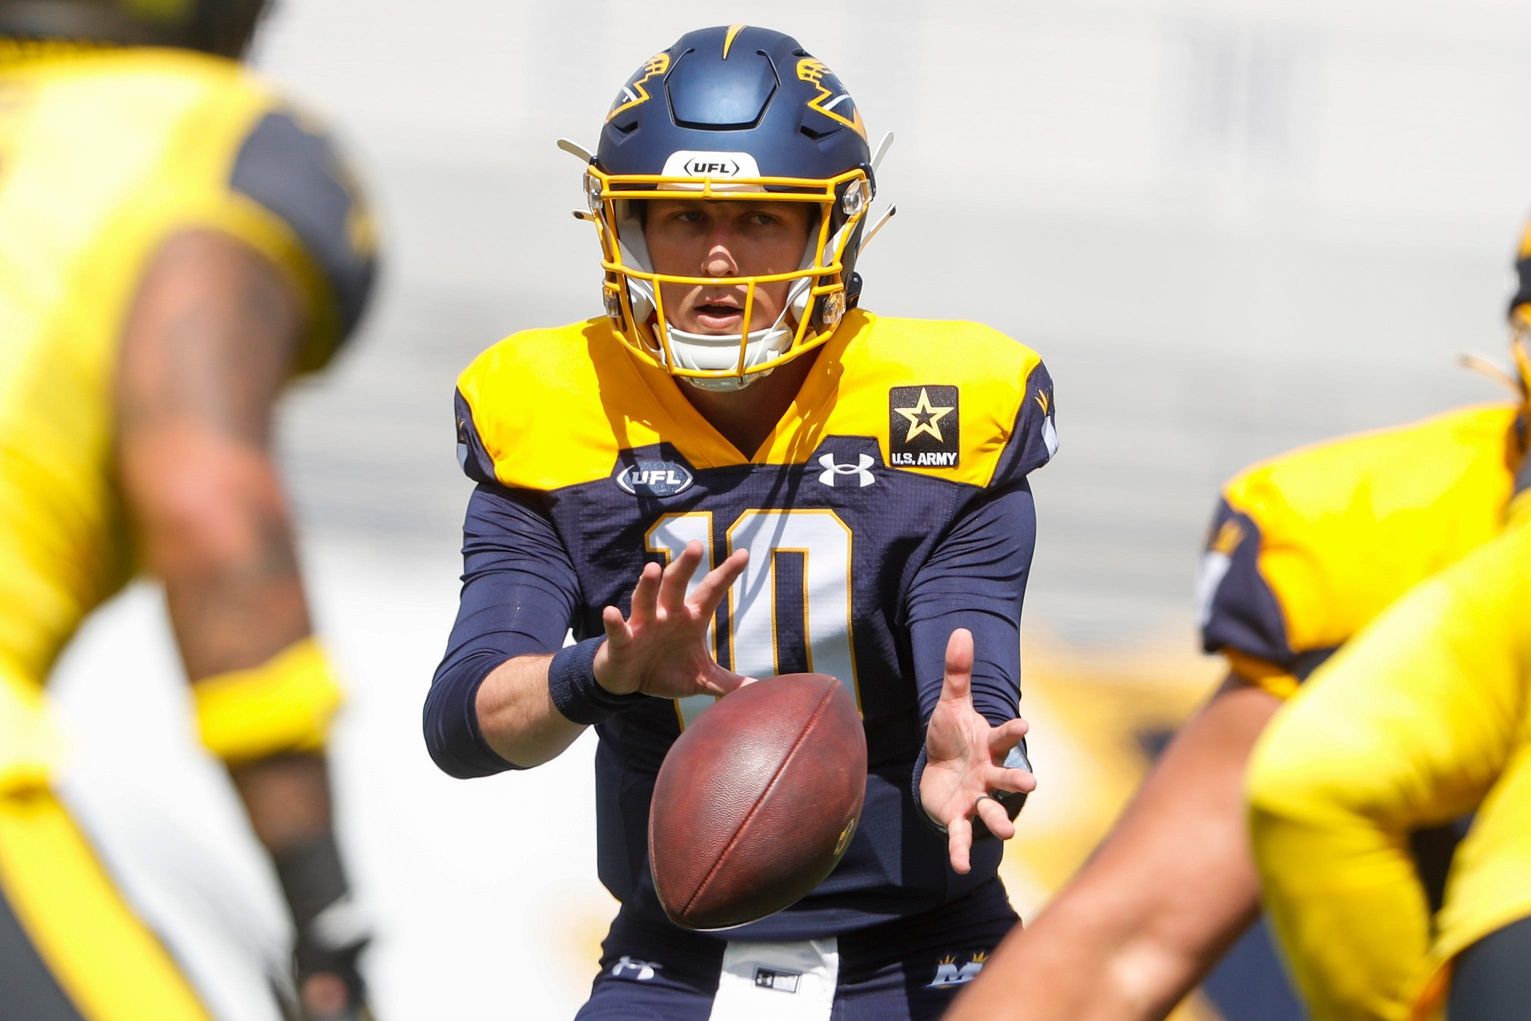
(575,692)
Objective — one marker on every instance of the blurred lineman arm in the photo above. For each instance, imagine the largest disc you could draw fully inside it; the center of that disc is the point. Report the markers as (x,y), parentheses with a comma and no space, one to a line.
(213,336)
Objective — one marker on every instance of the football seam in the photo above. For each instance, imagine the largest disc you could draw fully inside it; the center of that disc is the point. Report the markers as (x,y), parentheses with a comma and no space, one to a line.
(748,816)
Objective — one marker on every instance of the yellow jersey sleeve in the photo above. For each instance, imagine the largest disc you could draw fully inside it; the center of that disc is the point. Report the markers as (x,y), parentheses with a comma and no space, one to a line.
(1419,720)
(1306,548)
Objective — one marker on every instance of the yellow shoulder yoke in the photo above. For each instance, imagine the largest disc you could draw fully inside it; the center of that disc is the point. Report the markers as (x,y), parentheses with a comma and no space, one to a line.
(554,407)
(1346,526)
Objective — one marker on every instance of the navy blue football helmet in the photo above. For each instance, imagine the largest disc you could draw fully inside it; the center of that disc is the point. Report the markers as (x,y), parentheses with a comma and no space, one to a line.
(734,113)
(222,27)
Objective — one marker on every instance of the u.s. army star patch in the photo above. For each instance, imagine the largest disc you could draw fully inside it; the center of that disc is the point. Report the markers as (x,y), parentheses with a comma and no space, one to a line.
(922,427)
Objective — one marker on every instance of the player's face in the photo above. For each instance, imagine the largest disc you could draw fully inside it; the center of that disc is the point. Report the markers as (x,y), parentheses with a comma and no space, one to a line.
(693,238)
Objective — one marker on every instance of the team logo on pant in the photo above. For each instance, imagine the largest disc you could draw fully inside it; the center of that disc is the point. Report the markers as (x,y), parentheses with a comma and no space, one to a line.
(922,427)
(949,973)
(634,969)
(781,981)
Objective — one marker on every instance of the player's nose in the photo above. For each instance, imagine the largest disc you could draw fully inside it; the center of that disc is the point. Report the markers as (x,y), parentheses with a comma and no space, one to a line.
(720,261)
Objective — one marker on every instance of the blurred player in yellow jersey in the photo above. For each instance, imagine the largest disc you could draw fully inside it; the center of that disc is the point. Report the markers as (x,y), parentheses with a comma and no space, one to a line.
(1424,718)
(175,245)
(1303,551)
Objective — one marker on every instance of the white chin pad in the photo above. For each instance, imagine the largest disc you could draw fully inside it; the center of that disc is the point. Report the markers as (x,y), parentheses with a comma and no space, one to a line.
(712,353)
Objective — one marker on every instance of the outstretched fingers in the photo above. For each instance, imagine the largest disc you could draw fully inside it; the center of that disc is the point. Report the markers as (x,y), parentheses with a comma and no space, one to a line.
(673,582)
(1002,739)
(711,589)
(959,666)
(1005,737)
(995,818)
(959,844)
(617,630)
(646,594)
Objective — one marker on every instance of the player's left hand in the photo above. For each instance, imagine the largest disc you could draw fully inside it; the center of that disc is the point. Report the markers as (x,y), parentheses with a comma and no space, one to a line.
(965,760)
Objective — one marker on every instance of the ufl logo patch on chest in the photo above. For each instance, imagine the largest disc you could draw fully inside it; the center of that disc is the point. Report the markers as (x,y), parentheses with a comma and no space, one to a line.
(923,427)
(651,476)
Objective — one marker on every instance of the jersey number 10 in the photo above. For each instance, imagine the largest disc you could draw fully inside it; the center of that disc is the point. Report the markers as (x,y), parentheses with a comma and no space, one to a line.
(790,610)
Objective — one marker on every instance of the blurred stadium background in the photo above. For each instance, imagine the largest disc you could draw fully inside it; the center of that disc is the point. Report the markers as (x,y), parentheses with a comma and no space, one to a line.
(1230,227)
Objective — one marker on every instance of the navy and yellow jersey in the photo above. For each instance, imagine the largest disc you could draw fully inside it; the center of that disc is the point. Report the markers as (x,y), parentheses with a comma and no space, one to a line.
(889,506)
(104,156)
(1424,717)
(1308,547)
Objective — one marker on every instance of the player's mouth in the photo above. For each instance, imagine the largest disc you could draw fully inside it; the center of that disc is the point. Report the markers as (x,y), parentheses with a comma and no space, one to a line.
(717,315)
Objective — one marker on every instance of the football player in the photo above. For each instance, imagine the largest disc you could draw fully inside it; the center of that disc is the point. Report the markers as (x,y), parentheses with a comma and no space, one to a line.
(738,472)
(176,244)
(1423,718)
(1303,551)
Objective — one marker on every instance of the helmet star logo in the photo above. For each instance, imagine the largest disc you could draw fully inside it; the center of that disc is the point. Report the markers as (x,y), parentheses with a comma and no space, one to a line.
(924,418)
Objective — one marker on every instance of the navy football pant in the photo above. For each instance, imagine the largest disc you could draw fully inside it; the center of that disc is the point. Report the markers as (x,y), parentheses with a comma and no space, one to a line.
(909,969)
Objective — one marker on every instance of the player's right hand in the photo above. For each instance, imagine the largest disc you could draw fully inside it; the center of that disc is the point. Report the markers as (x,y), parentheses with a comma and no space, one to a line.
(326,997)
(326,960)
(661,648)
(966,760)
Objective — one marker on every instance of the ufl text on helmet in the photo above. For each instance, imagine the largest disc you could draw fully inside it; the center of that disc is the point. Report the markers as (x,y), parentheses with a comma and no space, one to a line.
(222,27)
(734,113)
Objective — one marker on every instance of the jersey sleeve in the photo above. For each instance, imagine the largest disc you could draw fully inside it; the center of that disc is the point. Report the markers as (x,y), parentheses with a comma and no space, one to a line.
(292,169)
(975,579)
(472,456)
(1034,439)
(518,597)
(1237,610)
(1309,546)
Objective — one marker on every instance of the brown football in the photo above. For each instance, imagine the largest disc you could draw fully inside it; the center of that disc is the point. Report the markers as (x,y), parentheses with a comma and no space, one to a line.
(757,800)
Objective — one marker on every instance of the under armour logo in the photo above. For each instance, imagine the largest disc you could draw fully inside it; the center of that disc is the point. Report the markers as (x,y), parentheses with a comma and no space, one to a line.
(832,468)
